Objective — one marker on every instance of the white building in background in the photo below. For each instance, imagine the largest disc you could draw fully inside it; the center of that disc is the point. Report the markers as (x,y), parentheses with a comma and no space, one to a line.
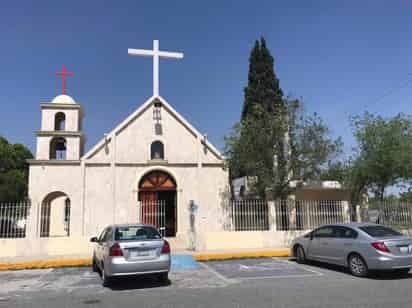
(299,190)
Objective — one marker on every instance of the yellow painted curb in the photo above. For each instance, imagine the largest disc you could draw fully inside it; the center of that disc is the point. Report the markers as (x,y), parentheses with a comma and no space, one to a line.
(197,257)
(44,264)
(240,255)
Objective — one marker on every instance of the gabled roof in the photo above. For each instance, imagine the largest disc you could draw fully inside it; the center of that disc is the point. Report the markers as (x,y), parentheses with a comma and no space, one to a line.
(140,111)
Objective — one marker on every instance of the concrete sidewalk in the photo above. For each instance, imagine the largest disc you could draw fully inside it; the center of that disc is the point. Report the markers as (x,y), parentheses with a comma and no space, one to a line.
(70,261)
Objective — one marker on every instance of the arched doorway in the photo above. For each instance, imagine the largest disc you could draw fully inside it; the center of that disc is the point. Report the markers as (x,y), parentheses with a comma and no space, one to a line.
(157,195)
(55,215)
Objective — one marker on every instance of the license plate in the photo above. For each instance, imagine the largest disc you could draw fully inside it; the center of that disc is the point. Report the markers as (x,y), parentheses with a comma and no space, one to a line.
(141,254)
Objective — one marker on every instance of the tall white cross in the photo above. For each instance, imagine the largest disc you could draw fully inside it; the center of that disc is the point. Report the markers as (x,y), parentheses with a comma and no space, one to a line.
(156,54)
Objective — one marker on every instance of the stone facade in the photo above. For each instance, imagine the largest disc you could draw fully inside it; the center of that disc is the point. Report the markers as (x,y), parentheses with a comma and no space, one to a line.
(102,185)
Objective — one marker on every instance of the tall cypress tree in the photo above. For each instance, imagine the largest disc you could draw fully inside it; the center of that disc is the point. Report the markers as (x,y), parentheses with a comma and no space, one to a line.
(263,134)
(263,87)
(253,81)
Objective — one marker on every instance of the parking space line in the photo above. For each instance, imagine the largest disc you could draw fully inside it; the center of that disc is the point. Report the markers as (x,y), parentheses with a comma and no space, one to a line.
(225,279)
(299,266)
(282,276)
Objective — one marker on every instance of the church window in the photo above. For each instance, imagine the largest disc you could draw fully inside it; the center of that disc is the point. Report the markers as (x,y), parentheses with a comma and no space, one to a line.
(60,121)
(58,148)
(157,150)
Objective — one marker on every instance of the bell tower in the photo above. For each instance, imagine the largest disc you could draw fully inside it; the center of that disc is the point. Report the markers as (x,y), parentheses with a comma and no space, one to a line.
(60,136)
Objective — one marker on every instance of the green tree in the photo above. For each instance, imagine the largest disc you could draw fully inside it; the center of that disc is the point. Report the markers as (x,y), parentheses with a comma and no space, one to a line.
(406,196)
(274,138)
(314,152)
(13,171)
(256,145)
(383,156)
(250,149)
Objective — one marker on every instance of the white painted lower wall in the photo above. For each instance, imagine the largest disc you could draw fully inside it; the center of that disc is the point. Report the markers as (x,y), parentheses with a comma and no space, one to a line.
(249,239)
(45,248)
(76,246)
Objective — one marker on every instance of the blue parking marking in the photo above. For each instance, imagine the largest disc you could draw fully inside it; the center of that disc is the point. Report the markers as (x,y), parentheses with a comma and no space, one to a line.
(180,262)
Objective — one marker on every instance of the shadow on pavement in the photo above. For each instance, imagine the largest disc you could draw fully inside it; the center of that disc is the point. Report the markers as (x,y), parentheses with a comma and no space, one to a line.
(376,275)
(390,275)
(135,283)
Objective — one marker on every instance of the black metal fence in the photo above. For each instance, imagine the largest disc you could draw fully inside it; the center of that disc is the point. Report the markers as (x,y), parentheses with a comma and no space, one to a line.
(13,219)
(391,213)
(309,214)
(248,215)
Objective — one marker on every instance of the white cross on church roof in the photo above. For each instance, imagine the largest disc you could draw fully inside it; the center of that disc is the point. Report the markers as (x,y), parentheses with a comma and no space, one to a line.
(156,54)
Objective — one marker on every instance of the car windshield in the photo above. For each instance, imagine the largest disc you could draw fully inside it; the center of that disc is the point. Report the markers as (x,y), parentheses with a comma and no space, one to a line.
(380,231)
(136,233)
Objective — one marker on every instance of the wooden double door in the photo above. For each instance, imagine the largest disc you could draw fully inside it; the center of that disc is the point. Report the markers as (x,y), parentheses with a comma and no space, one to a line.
(157,196)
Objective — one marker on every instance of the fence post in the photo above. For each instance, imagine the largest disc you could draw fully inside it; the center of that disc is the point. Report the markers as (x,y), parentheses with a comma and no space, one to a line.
(272,215)
(346,211)
(358,209)
(364,206)
(33,220)
(291,206)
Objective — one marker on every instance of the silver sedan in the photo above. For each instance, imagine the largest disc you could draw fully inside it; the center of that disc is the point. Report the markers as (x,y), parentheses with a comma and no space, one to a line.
(132,249)
(360,247)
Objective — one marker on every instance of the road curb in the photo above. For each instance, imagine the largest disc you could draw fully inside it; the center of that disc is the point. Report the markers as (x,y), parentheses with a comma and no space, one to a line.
(196,256)
(241,255)
(44,264)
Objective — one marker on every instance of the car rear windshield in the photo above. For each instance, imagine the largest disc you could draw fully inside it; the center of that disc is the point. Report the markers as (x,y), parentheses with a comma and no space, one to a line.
(380,231)
(136,233)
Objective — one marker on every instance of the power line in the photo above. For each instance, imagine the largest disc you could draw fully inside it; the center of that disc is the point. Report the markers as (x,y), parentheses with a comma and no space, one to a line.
(401,86)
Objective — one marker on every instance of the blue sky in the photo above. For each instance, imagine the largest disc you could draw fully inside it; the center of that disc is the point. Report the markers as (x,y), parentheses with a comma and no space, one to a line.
(341,57)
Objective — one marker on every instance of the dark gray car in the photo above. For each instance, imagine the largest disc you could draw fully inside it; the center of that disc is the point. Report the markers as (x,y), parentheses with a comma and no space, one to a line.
(131,249)
(358,246)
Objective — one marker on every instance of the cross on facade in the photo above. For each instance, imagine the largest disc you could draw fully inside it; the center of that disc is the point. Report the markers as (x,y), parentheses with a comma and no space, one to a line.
(156,54)
(64,74)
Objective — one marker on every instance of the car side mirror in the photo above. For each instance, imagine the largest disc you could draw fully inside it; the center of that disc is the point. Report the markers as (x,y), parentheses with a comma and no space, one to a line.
(93,239)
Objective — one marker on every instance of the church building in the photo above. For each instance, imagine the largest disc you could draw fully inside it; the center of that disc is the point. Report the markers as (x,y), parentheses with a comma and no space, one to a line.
(154,167)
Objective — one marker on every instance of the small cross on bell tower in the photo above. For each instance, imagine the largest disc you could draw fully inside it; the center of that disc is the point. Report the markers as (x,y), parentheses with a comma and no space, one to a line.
(64,74)
(60,136)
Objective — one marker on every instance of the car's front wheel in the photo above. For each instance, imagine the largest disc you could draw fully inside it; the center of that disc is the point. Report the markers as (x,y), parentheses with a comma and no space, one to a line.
(357,265)
(300,255)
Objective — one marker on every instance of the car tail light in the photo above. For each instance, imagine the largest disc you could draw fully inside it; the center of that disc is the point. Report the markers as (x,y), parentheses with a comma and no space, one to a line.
(380,246)
(166,247)
(115,250)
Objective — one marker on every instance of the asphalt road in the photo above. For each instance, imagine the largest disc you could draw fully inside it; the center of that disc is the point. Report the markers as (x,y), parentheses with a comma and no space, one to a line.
(238,283)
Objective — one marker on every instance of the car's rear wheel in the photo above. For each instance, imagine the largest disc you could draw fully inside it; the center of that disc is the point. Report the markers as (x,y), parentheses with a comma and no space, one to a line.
(402,271)
(300,255)
(164,277)
(94,265)
(105,279)
(357,265)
